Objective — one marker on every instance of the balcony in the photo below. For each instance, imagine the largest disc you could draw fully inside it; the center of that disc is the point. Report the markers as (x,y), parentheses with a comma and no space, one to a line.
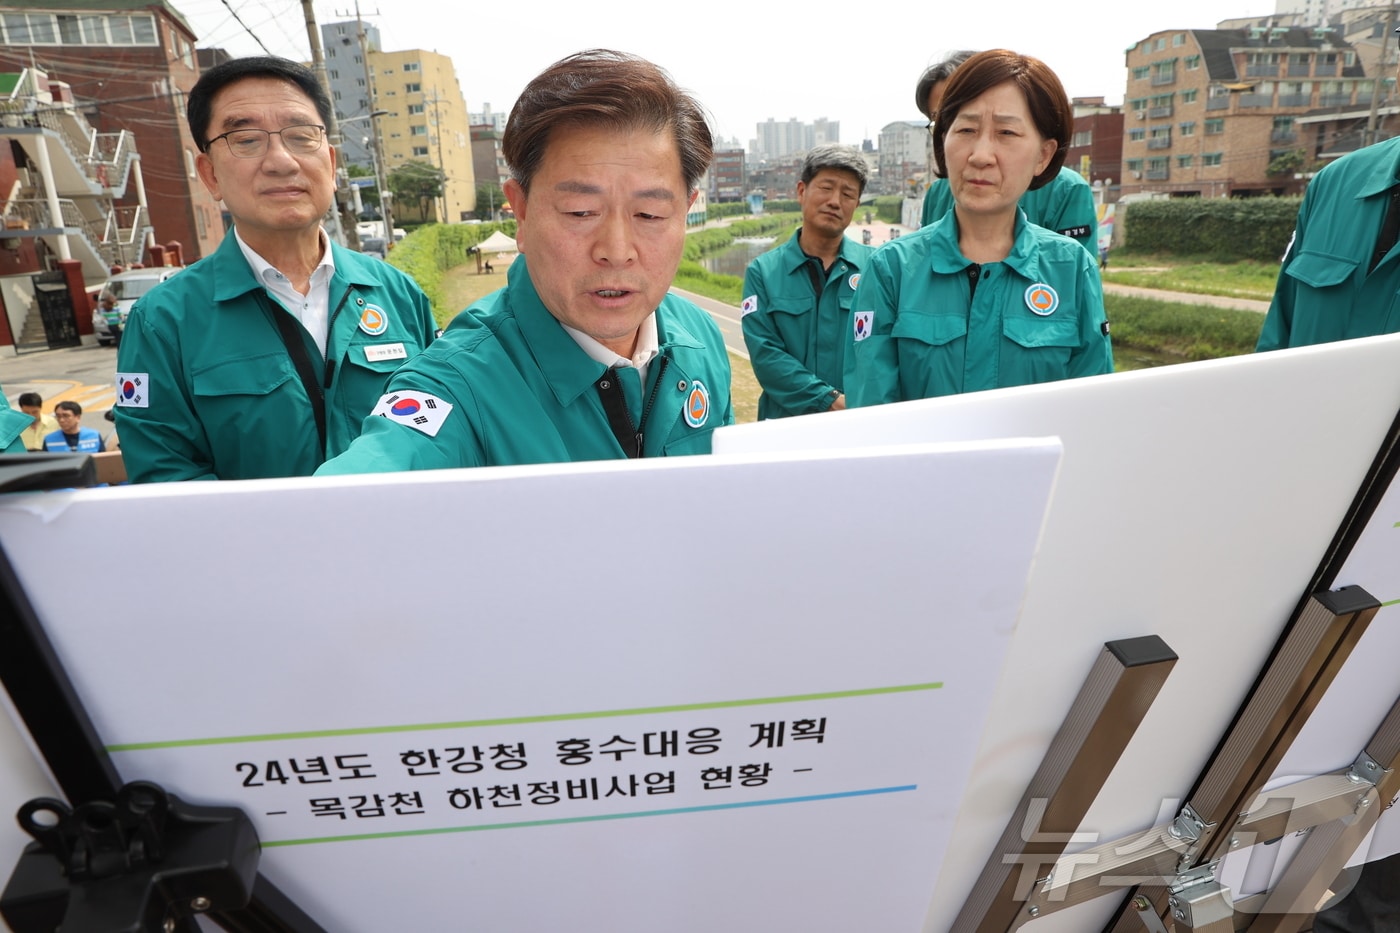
(1158,80)
(1328,70)
(1294,100)
(1161,143)
(1283,136)
(1300,71)
(1256,100)
(1158,113)
(1334,100)
(1218,103)
(1261,71)
(1156,174)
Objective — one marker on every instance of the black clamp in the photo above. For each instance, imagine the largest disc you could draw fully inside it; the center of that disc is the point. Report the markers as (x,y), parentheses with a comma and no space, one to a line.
(146,861)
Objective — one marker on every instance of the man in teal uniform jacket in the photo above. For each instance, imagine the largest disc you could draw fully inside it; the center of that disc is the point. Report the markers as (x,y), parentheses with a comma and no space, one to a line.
(797,298)
(584,355)
(1065,205)
(264,358)
(1341,274)
(1037,316)
(12,425)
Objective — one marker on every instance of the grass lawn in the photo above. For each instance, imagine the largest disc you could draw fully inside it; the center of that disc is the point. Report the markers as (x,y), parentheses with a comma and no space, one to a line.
(1198,275)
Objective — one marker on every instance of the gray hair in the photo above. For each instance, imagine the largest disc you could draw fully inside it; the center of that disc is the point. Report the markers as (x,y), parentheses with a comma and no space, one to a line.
(934,74)
(843,158)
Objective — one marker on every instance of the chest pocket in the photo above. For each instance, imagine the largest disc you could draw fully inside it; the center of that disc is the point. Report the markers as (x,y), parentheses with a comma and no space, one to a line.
(1035,333)
(256,376)
(1320,270)
(935,330)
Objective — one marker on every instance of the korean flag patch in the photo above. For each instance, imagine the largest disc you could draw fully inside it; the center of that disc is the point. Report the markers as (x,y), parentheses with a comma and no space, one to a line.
(863,321)
(132,390)
(417,410)
(749,305)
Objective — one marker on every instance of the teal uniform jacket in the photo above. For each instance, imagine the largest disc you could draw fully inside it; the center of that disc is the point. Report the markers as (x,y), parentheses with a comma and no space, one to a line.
(12,424)
(1065,205)
(919,332)
(1324,290)
(207,389)
(506,384)
(795,328)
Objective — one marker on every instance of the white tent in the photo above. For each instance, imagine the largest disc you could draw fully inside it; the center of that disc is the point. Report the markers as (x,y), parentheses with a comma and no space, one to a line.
(498,242)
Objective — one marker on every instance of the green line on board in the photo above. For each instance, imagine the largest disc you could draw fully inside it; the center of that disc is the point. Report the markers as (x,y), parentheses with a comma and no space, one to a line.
(518,720)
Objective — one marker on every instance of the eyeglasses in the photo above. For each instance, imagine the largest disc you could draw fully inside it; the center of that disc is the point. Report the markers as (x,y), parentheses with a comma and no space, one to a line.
(301,139)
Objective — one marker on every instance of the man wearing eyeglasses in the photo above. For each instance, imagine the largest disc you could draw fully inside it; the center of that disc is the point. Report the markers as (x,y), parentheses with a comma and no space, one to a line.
(262,359)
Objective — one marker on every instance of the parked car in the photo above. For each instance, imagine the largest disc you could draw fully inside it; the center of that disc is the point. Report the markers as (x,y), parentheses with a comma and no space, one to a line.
(126,287)
(374,246)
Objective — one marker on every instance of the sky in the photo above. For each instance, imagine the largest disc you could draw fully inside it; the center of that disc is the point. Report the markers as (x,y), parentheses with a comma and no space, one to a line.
(744,61)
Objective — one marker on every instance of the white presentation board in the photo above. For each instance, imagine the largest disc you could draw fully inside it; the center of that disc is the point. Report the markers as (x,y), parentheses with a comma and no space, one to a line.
(1195,502)
(678,695)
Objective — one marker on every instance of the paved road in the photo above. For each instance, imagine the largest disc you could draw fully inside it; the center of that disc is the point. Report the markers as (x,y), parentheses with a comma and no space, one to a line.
(85,375)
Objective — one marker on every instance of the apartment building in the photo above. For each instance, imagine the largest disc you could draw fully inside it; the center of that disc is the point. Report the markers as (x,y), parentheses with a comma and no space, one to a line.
(1217,112)
(1096,146)
(427,123)
(905,154)
(728,180)
(346,51)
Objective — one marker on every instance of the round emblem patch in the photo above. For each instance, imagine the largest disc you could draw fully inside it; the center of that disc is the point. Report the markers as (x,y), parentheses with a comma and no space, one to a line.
(697,405)
(854,280)
(1041,299)
(374,321)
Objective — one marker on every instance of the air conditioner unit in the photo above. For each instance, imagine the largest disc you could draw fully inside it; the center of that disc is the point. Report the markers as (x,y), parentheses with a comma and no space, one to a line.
(1137,174)
(1141,114)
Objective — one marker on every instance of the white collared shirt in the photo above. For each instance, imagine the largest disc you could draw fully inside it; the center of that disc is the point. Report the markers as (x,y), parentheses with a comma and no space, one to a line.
(648,346)
(314,308)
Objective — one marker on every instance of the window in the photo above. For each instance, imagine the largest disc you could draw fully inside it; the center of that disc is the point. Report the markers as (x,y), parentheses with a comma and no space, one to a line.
(412,88)
(1215,127)
(1193,62)
(1134,165)
(1160,44)
(418,131)
(1141,72)
(85,29)
(1188,129)
(1179,39)
(1183,161)
(335,75)
(1137,135)
(415,108)
(1211,159)
(420,150)
(335,95)
(1283,124)
(1189,97)
(360,82)
(1082,138)
(411,66)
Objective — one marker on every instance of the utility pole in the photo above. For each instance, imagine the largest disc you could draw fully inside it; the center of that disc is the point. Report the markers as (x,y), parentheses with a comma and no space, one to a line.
(381,172)
(338,232)
(442,166)
(1373,119)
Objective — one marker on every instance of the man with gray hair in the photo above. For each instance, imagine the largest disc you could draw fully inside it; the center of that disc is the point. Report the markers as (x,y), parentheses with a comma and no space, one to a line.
(797,298)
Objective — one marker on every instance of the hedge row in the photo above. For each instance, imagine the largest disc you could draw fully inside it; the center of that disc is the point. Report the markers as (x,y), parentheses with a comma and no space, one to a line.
(429,251)
(1224,229)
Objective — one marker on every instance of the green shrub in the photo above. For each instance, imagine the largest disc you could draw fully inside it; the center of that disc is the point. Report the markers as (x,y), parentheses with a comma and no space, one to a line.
(1225,229)
(432,249)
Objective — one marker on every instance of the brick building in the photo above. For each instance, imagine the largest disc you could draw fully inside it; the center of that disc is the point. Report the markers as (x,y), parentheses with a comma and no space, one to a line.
(129,64)
(1217,112)
(1096,147)
(728,179)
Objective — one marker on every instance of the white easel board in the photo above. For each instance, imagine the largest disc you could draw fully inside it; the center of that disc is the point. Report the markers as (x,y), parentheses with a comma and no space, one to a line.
(1194,502)
(363,664)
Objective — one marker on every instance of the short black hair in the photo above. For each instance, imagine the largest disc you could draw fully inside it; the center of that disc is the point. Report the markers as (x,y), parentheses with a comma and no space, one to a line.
(200,104)
(74,407)
(29,400)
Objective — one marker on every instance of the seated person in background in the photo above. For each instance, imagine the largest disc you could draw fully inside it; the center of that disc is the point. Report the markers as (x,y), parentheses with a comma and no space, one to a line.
(42,425)
(983,299)
(1065,204)
(584,355)
(71,436)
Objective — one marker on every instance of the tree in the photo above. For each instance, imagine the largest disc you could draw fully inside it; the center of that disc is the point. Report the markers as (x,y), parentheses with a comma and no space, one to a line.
(1287,163)
(369,194)
(416,182)
(489,198)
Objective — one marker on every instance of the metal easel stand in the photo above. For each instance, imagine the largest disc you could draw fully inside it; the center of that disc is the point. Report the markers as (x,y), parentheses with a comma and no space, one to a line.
(1169,871)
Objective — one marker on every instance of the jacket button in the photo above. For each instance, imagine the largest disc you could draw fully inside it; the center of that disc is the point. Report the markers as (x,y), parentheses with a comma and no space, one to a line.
(680,386)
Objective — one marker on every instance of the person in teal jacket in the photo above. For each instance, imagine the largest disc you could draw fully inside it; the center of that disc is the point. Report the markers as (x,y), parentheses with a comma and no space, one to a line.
(507,384)
(12,425)
(797,298)
(1341,273)
(1064,205)
(583,355)
(983,298)
(264,358)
